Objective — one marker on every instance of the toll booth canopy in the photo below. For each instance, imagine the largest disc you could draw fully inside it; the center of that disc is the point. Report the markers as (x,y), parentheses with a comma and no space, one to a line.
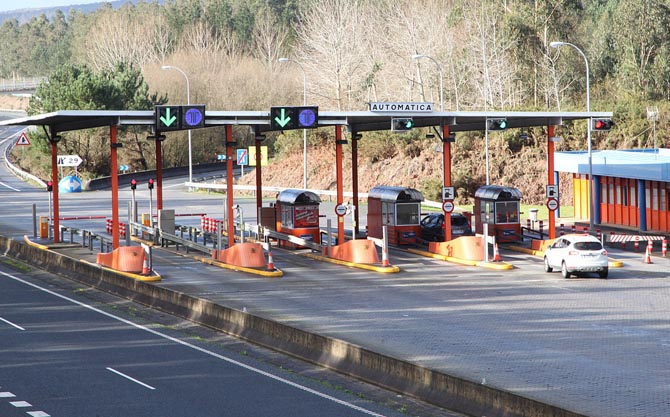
(398,208)
(499,207)
(298,214)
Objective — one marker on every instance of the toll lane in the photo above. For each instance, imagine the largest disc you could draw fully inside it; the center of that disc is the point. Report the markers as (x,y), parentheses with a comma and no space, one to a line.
(73,359)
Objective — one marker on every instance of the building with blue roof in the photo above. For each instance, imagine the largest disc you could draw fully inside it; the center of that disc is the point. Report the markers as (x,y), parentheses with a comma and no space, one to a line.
(631,187)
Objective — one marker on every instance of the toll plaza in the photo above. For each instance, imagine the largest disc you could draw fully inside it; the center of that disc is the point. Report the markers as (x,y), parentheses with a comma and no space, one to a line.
(398,209)
(380,116)
(497,207)
(297,214)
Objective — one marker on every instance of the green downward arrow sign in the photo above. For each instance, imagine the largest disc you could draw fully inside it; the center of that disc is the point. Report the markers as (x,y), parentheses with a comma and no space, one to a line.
(167,120)
(283,121)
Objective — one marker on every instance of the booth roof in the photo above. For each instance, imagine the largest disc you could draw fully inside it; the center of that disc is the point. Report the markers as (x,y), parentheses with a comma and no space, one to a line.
(495,192)
(295,196)
(390,193)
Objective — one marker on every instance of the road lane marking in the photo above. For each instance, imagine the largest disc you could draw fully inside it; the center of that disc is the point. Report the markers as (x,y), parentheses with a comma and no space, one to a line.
(38,414)
(9,186)
(20,404)
(130,378)
(7,394)
(11,324)
(199,349)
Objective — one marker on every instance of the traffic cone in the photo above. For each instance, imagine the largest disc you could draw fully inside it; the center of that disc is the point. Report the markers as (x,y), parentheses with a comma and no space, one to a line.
(496,254)
(271,264)
(647,256)
(145,266)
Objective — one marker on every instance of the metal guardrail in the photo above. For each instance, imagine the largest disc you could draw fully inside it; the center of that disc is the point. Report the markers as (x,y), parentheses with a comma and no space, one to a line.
(20,84)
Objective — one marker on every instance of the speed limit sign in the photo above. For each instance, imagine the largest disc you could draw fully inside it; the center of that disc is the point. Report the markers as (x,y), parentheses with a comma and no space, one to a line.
(448,206)
(552,204)
(340,210)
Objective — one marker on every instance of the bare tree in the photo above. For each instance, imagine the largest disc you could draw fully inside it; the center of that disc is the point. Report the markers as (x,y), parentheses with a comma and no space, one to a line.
(270,39)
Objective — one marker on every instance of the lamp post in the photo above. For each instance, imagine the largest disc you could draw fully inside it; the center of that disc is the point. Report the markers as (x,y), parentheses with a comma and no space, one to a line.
(439,69)
(304,131)
(188,101)
(558,44)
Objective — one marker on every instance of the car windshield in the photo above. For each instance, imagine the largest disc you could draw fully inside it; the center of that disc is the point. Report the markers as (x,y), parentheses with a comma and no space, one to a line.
(588,246)
(459,221)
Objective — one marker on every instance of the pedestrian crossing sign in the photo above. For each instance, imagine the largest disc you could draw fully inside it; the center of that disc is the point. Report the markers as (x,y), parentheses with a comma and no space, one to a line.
(23,140)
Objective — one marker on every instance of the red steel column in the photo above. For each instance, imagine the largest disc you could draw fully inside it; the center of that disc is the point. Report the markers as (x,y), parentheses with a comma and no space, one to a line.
(229,185)
(446,163)
(550,177)
(115,187)
(159,175)
(340,191)
(259,181)
(54,180)
(354,178)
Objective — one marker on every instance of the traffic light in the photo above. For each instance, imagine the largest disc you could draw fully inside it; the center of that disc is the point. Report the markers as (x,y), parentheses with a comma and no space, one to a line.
(133,184)
(50,186)
(287,117)
(602,124)
(151,183)
(496,124)
(168,118)
(401,124)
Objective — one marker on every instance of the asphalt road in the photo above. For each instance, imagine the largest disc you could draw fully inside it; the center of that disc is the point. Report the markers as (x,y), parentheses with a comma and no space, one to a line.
(63,356)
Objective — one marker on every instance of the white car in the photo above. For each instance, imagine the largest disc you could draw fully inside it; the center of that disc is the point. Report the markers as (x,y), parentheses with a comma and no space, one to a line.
(575,253)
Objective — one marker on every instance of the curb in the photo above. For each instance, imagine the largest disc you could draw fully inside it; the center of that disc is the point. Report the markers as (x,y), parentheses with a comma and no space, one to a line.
(501,266)
(375,268)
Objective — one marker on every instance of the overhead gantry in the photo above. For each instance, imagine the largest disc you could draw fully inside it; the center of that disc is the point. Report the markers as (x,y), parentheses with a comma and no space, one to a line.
(260,122)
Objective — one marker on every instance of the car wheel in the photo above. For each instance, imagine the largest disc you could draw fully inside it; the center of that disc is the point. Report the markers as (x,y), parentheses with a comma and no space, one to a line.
(547,268)
(564,270)
(603,273)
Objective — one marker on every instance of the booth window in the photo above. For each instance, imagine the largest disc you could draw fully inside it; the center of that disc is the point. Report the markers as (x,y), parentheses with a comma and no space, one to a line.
(408,214)
(287,216)
(388,213)
(507,212)
(633,199)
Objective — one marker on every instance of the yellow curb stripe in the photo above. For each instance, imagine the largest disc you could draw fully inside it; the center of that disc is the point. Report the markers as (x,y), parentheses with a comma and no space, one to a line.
(138,277)
(33,244)
(375,268)
(270,274)
(489,265)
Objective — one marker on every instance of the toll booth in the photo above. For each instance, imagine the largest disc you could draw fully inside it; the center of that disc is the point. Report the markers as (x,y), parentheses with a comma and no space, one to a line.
(399,209)
(498,207)
(297,214)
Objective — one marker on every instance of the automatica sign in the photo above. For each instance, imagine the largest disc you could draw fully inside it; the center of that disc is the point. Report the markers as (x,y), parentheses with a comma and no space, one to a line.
(401,107)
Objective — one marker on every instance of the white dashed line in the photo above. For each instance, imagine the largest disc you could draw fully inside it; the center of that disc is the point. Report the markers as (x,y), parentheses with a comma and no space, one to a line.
(12,324)
(20,404)
(7,395)
(38,414)
(130,378)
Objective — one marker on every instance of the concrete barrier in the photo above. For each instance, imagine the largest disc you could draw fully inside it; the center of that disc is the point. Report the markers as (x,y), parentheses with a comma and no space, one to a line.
(398,375)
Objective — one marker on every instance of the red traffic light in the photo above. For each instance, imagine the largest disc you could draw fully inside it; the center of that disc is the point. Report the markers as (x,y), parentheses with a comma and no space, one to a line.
(602,124)
(50,185)
(151,183)
(133,184)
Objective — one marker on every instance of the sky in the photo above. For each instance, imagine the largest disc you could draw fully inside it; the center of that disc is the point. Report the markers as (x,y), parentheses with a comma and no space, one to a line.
(6,5)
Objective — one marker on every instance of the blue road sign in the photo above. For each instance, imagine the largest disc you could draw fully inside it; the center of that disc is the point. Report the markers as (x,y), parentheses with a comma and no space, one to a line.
(220,157)
(307,117)
(70,184)
(194,116)
(242,157)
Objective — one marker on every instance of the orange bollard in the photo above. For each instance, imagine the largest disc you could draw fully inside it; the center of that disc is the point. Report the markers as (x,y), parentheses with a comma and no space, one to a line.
(664,247)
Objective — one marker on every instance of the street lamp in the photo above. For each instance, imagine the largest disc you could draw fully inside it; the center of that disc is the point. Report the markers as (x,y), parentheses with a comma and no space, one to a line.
(588,127)
(439,69)
(304,131)
(188,101)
